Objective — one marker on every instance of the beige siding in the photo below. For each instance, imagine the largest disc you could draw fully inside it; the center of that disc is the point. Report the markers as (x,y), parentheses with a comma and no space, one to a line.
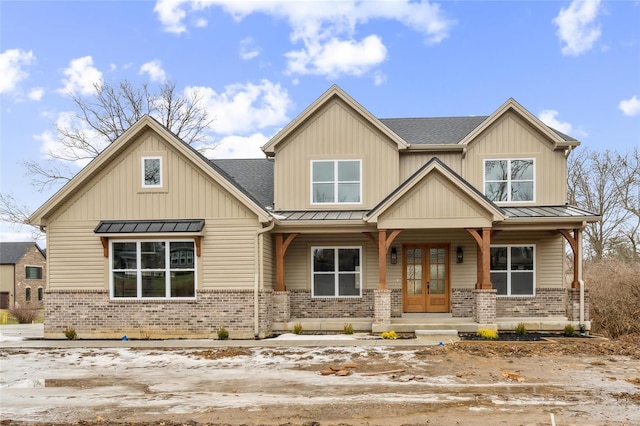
(269,271)
(435,203)
(411,162)
(117,193)
(7,279)
(511,137)
(335,132)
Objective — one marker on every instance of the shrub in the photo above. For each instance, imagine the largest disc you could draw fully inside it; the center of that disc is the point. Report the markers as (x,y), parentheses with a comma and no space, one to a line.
(389,335)
(70,333)
(614,296)
(348,329)
(487,333)
(569,330)
(297,328)
(24,315)
(521,329)
(223,333)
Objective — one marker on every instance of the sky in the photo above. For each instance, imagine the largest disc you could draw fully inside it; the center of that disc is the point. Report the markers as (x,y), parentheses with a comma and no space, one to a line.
(258,64)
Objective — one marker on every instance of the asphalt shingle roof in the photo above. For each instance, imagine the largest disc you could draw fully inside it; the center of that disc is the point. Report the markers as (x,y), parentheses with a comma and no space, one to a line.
(11,253)
(254,177)
(433,130)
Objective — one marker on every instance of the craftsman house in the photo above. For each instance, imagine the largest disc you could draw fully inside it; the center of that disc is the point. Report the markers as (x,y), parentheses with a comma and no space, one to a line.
(404,224)
(22,275)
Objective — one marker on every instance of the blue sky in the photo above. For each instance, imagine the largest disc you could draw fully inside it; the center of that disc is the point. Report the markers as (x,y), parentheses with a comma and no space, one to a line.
(575,65)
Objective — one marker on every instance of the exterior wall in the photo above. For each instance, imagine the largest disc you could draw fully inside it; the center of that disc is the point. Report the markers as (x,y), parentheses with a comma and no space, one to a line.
(462,303)
(93,315)
(334,132)
(511,137)
(269,265)
(410,162)
(548,302)
(33,257)
(302,305)
(7,287)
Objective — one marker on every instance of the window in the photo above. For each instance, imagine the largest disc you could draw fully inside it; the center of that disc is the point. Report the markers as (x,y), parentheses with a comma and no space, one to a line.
(509,180)
(152,172)
(40,294)
(336,182)
(152,269)
(33,272)
(27,294)
(512,270)
(336,272)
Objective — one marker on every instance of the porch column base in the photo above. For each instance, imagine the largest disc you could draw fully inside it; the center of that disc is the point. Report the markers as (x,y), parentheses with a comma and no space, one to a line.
(382,309)
(281,306)
(573,304)
(484,306)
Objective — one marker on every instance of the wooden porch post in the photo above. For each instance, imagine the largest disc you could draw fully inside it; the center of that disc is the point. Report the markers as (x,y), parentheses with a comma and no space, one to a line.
(281,248)
(484,257)
(575,241)
(384,243)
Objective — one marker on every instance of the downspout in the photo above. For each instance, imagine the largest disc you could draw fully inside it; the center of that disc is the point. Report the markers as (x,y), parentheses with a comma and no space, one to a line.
(258,266)
(580,280)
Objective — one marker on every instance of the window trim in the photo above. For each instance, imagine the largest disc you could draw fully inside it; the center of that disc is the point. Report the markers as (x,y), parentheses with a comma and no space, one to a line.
(142,170)
(534,271)
(335,182)
(40,294)
(27,294)
(336,274)
(167,269)
(509,181)
(26,274)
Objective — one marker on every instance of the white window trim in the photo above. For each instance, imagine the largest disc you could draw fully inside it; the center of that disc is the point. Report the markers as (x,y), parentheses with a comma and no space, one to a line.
(336,273)
(509,271)
(139,270)
(335,182)
(143,183)
(510,159)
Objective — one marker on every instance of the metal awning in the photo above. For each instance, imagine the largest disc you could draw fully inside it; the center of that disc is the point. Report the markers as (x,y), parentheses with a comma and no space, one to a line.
(319,215)
(149,226)
(548,212)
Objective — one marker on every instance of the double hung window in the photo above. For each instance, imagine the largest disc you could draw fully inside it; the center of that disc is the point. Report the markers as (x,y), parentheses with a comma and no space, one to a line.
(336,271)
(336,182)
(509,180)
(153,269)
(513,270)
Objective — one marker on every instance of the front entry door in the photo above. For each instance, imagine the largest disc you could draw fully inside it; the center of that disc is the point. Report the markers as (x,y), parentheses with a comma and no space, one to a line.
(425,278)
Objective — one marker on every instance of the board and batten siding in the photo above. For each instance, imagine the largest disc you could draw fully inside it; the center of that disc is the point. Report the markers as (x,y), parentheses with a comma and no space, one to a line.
(410,162)
(511,137)
(336,132)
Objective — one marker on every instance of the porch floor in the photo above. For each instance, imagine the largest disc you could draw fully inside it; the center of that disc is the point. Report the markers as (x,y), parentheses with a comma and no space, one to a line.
(411,323)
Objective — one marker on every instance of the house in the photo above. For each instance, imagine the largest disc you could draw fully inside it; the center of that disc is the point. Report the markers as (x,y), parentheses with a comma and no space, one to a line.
(23,269)
(400,224)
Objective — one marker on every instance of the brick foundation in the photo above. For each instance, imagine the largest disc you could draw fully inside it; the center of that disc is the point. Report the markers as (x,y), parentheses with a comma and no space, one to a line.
(573,304)
(382,307)
(302,305)
(548,302)
(462,301)
(484,307)
(281,306)
(93,315)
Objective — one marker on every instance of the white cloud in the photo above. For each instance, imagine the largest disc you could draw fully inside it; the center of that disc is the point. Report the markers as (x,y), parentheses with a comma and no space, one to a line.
(239,147)
(200,23)
(630,106)
(36,93)
(243,108)
(548,117)
(249,49)
(379,78)
(325,29)
(577,28)
(155,71)
(81,77)
(12,64)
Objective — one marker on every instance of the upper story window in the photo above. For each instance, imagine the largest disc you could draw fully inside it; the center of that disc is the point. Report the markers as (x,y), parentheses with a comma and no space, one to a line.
(336,181)
(33,272)
(509,180)
(151,172)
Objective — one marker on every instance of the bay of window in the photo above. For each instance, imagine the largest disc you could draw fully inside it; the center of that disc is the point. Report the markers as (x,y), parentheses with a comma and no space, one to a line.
(336,181)
(336,271)
(509,180)
(513,270)
(152,269)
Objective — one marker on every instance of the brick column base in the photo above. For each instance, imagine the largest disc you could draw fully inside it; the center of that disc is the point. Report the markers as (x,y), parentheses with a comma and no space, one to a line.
(573,304)
(484,306)
(382,305)
(281,306)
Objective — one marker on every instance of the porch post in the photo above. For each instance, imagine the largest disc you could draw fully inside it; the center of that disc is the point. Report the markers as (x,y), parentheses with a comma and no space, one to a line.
(575,241)
(382,260)
(281,248)
(382,295)
(484,257)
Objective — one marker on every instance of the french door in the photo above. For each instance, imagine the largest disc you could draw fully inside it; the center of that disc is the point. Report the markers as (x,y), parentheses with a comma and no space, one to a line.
(425,277)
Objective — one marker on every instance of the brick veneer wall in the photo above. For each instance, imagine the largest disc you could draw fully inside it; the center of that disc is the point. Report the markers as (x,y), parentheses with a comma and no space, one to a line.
(33,257)
(484,306)
(573,305)
(93,315)
(548,302)
(462,301)
(302,305)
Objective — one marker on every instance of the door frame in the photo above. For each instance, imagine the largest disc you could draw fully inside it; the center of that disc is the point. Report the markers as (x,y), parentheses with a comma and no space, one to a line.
(425,277)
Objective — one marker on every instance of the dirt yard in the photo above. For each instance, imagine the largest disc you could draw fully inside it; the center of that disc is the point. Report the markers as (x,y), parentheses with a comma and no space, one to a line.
(566,381)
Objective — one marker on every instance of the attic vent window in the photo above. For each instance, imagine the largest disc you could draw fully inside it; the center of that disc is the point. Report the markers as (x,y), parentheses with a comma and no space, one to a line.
(152,172)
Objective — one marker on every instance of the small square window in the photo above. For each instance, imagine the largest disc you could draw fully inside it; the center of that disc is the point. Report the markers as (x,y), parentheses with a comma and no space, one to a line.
(152,172)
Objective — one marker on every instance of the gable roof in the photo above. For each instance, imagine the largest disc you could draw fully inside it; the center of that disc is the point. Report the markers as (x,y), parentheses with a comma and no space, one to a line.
(111,153)
(433,130)
(253,176)
(333,92)
(12,252)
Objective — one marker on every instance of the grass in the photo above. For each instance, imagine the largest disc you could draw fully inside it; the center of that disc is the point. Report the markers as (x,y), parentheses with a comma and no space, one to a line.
(12,320)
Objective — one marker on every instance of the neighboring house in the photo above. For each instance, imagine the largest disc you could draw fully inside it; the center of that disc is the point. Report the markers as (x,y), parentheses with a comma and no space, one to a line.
(23,275)
(386,224)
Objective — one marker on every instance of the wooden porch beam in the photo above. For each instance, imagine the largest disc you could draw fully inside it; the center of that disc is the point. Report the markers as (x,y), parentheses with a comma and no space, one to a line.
(198,240)
(573,242)
(105,246)
(384,242)
(483,240)
(392,237)
(282,245)
(371,238)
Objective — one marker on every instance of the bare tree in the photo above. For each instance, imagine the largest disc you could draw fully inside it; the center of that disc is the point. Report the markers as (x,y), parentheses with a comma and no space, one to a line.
(626,178)
(99,119)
